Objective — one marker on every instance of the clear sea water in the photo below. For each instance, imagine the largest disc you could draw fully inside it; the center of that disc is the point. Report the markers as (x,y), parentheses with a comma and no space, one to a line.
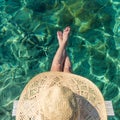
(28,43)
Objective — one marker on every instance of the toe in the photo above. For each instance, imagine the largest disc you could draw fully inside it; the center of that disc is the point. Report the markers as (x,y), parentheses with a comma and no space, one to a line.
(67,29)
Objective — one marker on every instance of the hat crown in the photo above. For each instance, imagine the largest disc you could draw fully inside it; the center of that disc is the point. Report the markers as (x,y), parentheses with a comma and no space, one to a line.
(58,103)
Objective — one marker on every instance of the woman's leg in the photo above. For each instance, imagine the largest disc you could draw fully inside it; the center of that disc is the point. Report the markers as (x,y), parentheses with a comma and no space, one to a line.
(67,65)
(59,58)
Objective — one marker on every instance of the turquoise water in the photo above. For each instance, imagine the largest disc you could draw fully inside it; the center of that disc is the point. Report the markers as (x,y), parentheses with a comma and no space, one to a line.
(28,44)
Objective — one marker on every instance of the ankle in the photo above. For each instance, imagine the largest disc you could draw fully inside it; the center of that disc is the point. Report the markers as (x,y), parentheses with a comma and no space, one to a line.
(62,46)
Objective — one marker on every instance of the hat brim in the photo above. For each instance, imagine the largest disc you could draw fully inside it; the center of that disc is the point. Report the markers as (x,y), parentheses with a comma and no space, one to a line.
(81,86)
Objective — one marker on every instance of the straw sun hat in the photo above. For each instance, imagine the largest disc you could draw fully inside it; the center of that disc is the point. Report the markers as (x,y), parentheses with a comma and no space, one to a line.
(60,96)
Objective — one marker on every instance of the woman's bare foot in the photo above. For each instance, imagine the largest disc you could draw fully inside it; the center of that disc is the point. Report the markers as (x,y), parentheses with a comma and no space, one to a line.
(66,34)
(60,37)
(63,37)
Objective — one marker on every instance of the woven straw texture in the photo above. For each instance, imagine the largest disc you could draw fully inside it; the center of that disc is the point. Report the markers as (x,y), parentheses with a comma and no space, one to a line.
(73,98)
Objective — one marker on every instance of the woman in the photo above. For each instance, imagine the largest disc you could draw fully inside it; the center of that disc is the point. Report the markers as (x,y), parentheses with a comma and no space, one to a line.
(60,95)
